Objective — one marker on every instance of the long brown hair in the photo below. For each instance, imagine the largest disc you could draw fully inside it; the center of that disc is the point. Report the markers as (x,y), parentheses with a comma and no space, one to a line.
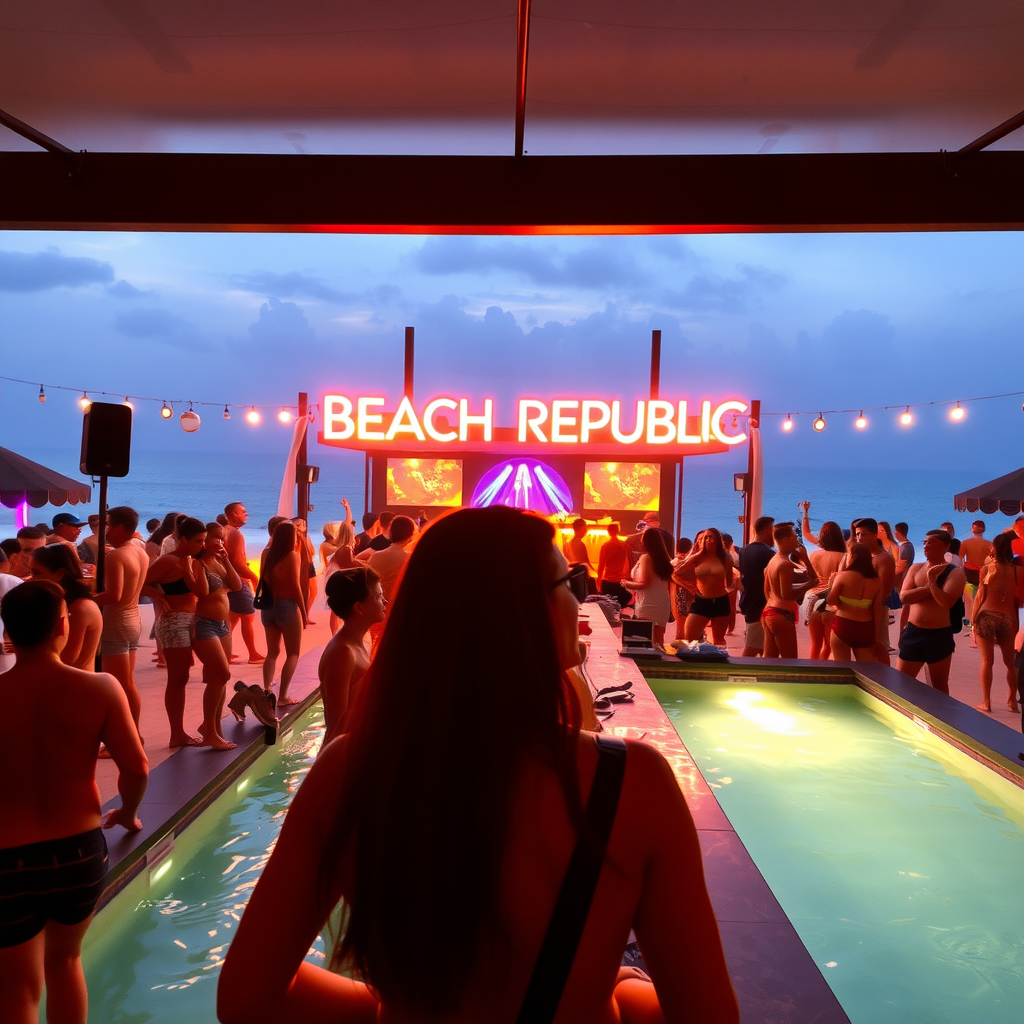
(860,561)
(654,546)
(431,759)
(717,550)
(281,544)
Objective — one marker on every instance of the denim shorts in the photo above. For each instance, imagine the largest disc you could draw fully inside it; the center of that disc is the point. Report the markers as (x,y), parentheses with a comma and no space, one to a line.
(211,629)
(282,615)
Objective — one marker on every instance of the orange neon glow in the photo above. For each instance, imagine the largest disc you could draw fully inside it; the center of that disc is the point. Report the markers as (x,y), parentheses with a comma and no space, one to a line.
(622,486)
(428,483)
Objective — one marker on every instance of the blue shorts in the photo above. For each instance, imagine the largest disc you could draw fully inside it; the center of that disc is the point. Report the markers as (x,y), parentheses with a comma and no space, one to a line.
(282,615)
(240,601)
(211,629)
(57,880)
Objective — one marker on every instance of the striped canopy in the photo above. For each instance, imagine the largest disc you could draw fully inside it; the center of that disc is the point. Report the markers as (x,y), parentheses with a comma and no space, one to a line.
(22,479)
(1005,494)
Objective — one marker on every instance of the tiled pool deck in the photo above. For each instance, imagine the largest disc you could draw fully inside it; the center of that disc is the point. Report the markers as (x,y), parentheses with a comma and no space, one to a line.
(775,977)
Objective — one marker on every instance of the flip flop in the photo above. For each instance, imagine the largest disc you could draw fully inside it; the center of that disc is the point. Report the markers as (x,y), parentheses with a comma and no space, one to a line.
(628,685)
(615,697)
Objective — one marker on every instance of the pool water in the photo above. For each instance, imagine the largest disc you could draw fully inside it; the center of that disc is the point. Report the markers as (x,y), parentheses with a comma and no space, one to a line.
(155,953)
(897,857)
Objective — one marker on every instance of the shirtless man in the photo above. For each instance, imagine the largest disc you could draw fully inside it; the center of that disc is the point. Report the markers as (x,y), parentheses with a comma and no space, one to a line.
(53,858)
(927,639)
(973,552)
(782,594)
(865,531)
(354,595)
(613,566)
(124,577)
(240,604)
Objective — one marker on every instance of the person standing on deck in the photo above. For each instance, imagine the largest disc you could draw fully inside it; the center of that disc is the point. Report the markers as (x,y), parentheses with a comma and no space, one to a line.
(53,857)
(783,594)
(974,550)
(240,602)
(754,559)
(927,639)
(613,567)
(865,531)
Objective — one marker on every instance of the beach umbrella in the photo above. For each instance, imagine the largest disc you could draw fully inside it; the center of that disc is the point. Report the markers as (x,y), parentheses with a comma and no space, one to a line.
(22,480)
(1004,494)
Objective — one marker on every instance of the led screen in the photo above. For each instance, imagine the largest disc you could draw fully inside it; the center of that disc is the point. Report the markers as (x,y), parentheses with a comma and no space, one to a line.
(426,483)
(622,486)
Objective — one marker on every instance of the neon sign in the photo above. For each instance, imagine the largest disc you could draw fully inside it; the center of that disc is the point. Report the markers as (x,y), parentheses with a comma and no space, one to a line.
(446,421)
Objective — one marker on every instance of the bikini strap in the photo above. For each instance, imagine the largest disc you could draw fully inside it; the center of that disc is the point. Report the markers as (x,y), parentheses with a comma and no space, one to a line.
(565,929)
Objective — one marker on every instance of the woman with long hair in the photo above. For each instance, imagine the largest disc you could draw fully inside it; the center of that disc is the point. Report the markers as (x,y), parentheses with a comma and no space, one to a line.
(280,570)
(56,563)
(342,558)
(649,582)
(174,581)
(448,834)
(825,561)
(995,618)
(856,597)
(710,572)
(211,639)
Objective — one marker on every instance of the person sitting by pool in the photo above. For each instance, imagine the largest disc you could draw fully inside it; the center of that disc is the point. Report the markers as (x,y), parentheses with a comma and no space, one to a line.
(856,597)
(447,814)
(354,596)
(53,857)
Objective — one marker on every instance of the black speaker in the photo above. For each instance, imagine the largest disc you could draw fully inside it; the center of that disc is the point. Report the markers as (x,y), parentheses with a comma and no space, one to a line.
(106,440)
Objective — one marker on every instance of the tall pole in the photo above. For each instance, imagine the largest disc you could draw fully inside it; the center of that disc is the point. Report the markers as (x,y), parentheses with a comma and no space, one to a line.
(522,60)
(301,473)
(655,363)
(410,360)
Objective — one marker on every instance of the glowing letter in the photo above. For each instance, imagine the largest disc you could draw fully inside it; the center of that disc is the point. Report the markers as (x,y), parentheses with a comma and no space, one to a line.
(587,421)
(660,415)
(405,422)
(444,436)
(486,420)
(616,418)
(683,437)
(716,423)
(559,419)
(540,415)
(364,418)
(705,421)
(338,425)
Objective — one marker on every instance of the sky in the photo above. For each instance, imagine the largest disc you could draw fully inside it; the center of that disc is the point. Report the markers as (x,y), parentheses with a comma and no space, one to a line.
(805,323)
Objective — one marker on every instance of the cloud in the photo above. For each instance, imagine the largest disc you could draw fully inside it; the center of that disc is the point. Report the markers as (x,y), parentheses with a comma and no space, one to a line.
(124,290)
(711,293)
(282,326)
(159,325)
(600,264)
(39,271)
(293,285)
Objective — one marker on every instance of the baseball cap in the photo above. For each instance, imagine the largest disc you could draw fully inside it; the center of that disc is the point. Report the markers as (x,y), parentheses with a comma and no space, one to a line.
(66,519)
(652,517)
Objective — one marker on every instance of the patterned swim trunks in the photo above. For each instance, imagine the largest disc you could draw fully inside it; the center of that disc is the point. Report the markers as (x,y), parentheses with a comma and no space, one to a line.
(175,629)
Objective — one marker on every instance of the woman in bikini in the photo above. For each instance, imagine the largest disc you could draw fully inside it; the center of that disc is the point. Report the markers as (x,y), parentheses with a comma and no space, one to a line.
(856,598)
(174,582)
(995,618)
(342,558)
(55,563)
(280,567)
(211,640)
(710,571)
(825,561)
(451,931)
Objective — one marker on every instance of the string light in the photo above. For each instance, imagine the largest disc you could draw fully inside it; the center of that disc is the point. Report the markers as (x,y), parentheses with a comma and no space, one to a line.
(252,417)
(787,423)
(819,424)
(227,415)
(906,418)
(284,415)
(42,394)
(128,403)
(190,420)
(957,413)
(166,411)
(84,402)
(861,422)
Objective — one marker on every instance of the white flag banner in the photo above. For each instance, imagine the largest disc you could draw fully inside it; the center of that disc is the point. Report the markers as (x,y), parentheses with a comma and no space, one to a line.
(286,503)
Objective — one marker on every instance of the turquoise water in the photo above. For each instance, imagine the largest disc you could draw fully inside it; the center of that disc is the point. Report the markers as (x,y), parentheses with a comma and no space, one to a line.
(155,953)
(897,858)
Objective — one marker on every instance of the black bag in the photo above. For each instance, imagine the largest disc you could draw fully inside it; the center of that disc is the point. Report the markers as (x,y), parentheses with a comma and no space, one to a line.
(958,610)
(263,598)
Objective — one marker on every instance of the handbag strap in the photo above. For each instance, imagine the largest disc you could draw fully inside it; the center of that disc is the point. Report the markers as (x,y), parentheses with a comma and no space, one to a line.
(565,929)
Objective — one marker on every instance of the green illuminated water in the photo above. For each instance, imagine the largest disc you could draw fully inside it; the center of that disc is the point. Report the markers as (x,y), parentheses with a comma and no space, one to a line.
(897,857)
(155,953)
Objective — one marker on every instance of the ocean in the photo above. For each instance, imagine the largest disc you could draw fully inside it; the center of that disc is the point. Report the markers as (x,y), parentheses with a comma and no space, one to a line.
(203,483)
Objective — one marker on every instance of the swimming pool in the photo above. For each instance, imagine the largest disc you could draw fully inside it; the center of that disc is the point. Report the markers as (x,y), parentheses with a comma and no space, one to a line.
(896,856)
(155,953)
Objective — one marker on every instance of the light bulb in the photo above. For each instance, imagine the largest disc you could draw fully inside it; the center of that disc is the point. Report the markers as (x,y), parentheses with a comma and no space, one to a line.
(860,422)
(957,413)
(252,416)
(42,394)
(819,423)
(189,420)
(906,418)
(166,411)
(85,402)
(227,415)
(787,423)
(284,415)
(129,404)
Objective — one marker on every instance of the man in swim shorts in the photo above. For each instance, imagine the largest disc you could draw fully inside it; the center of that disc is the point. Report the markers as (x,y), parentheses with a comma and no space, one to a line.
(240,602)
(124,577)
(53,857)
(784,593)
(928,639)
(974,550)
(754,559)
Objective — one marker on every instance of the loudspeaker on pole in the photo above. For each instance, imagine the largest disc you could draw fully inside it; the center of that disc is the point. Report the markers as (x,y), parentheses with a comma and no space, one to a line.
(106,440)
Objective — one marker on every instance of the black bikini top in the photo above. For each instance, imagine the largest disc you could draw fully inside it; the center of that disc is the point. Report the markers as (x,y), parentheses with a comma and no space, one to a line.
(175,587)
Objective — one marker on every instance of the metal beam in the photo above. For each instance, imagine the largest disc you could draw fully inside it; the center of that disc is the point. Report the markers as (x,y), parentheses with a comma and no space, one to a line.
(504,195)
(34,134)
(1011,124)
(522,61)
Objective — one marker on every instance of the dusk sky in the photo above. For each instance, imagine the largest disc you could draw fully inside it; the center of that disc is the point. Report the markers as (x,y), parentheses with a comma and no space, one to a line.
(802,322)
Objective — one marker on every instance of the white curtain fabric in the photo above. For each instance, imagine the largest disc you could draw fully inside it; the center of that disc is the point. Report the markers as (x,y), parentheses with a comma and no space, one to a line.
(757,472)
(286,502)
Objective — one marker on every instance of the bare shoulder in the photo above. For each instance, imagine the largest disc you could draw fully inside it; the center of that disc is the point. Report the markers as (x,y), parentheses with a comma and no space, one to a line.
(338,656)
